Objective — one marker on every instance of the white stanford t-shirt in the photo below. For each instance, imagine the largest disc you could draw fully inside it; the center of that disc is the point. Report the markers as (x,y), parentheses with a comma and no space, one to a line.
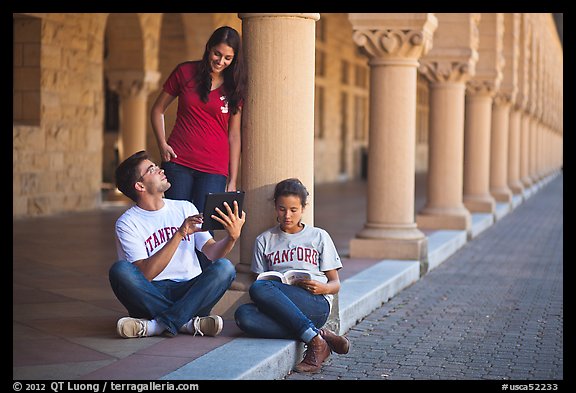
(141,233)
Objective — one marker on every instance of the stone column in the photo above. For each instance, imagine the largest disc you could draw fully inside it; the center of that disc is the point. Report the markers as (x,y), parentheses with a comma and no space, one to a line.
(133,88)
(393,42)
(277,119)
(478,118)
(524,149)
(540,171)
(478,123)
(514,182)
(533,100)
(503,100)
(448,66)
(533,149)
(541,150)
(544,150)
(523,96)
(499,149)
(511,86)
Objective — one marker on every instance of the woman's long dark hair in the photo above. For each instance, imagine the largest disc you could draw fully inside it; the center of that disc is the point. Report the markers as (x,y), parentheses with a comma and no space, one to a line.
(234,74)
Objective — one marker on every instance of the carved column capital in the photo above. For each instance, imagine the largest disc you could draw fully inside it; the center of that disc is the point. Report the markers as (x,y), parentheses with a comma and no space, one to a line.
(397,37)
(131,83)
(482,87)
(502,98)
(455,53)
(393,43)
(447,70)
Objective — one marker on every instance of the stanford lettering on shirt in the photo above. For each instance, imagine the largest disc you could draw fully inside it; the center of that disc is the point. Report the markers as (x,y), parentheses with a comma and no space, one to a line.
(142,233)
(299,254)
(159,237)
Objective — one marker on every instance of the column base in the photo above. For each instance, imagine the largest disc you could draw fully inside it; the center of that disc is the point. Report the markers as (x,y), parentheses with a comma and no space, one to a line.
(501,194)
(416,249)
(227,305)
(480,203)
(516,187)
(527,182)
(242,281)
(435,219)
(393,232)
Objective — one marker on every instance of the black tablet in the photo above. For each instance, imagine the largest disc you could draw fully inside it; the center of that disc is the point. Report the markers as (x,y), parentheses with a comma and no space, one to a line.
(216,200)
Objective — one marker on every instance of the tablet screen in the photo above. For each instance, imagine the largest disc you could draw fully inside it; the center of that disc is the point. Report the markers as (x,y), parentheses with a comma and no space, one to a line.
(216,200)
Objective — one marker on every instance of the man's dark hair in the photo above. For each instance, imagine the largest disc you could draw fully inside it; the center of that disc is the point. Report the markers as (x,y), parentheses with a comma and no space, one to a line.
(127,174)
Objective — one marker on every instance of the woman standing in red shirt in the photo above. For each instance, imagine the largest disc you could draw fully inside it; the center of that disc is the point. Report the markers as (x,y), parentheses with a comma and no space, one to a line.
(202,154)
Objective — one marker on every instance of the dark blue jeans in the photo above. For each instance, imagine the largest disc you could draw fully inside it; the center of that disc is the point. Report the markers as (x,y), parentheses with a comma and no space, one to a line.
(169,302)
(282,311)
(191,185)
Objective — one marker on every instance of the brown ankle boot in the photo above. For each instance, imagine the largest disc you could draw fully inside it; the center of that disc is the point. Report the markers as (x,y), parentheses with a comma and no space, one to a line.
(316,352)
(338,344)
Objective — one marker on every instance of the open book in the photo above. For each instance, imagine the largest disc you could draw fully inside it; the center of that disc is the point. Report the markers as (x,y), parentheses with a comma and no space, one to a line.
(288,277)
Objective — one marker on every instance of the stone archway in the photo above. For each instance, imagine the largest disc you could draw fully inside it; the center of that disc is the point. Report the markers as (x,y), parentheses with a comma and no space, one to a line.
(130,64)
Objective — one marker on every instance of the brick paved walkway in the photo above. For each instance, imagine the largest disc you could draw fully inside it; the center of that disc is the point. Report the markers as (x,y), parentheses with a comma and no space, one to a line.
(493,311)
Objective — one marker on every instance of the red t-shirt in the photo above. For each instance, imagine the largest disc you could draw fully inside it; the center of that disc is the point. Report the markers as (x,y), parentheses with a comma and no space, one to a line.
(200,135)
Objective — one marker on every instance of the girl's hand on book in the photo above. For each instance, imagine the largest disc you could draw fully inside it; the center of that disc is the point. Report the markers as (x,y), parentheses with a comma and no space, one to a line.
(312,286)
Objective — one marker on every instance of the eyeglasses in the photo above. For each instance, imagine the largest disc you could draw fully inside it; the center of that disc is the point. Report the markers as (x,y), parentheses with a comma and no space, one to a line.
(151,170)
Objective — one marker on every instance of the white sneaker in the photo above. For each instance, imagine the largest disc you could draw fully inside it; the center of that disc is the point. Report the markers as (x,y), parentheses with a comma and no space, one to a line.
(128,327)
(209,326)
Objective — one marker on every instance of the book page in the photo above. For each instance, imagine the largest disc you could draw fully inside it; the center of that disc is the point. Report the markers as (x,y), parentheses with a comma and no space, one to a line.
(271,275)
(296,275)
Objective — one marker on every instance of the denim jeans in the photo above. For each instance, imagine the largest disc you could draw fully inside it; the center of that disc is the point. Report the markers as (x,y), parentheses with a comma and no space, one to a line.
(170,302)
(282,311)
(190,184)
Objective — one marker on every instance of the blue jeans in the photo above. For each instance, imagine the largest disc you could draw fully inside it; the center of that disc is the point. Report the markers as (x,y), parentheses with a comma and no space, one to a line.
(170,302)
(191,185)
(282,311)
